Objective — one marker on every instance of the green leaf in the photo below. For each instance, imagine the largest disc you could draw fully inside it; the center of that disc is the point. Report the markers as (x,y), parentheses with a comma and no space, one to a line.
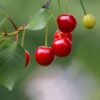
(12,60)
(39,21)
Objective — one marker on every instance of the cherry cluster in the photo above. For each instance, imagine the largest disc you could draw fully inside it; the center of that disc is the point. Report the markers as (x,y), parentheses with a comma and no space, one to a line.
(62,43)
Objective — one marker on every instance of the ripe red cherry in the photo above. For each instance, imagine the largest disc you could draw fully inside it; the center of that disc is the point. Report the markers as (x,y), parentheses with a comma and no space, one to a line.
(27,55)
(44,55)
(59,34)
(66,22)
(62,47)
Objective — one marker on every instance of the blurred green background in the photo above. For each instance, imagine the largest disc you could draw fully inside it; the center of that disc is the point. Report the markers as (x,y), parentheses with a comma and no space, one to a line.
(78,74)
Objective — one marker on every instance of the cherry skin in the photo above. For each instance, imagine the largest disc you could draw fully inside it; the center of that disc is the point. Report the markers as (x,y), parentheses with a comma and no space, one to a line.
(27,56)
(89,21)
(66,22)
(59,34)
(62,47)
(44,55)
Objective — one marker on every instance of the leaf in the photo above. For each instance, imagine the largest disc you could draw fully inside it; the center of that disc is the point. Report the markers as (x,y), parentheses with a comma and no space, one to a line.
(39,21)
(12,60)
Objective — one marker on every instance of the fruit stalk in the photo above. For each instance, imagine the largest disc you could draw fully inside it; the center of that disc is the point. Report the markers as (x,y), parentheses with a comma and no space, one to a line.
(66,7)
(83,7)
(59,4)
(46,36)
(52,14)
(23,38)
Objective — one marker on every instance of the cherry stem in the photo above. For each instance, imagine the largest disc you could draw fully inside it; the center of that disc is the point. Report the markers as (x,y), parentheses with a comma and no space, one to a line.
(59,4)
(83,7)
(52,14)
(59,34)
(46,35)
(66,7)
(54,17)
(16,36)
(23,38)
(12,22)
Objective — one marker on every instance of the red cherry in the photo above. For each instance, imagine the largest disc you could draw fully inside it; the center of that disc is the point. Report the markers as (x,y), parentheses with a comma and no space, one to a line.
(27,55)
(66,22)
(44,55)
(59,34)
(62,47)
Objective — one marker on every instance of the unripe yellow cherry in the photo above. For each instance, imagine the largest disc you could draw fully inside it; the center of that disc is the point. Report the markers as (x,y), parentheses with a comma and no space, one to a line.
(89,21)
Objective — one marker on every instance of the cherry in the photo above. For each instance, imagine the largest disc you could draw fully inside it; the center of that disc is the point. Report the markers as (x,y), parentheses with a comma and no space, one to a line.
(66,22)
(89,21)
(27,55)
(44,55)
(62,47)
(59,34)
